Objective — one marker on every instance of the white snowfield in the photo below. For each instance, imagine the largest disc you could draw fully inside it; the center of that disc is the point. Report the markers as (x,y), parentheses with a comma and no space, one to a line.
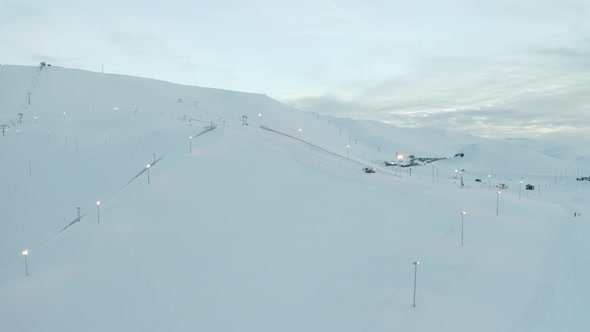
(265,227)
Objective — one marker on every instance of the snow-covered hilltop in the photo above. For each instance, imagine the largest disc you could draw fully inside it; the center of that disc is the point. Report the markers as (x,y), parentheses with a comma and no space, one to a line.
(253,216)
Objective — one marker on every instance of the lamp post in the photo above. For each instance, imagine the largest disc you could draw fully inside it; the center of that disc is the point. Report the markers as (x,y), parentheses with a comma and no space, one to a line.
(98,210)
(347,150)
(400,158)
(260,119)
(190,139)
(432,173)
(462,215)
(26,253)
(148,171)
(489,182)
(497,201)
(300,133)
(415,277)
(519,188)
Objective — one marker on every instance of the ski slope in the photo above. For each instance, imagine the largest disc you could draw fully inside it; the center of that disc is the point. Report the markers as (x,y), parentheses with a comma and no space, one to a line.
(263,227)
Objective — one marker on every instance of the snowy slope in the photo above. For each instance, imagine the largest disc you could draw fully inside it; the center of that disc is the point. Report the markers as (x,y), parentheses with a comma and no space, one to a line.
(245,229)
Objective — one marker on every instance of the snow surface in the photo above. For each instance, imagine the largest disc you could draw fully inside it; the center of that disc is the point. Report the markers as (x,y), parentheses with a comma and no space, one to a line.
(249,228)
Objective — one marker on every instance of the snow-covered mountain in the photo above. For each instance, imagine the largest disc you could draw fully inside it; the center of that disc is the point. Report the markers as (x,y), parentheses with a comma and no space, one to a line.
(266,227)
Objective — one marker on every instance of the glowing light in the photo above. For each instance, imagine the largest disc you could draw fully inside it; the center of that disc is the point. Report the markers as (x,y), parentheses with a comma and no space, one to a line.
(97,202)
(25,252)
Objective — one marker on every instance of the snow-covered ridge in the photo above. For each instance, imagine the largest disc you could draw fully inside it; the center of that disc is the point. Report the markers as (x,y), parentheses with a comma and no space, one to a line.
(239,228)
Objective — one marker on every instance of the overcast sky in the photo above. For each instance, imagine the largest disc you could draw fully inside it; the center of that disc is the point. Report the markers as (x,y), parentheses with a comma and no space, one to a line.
(494,68)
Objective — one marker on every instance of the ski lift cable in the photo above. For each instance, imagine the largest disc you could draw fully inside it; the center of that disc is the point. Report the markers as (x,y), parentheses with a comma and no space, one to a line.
(11,260)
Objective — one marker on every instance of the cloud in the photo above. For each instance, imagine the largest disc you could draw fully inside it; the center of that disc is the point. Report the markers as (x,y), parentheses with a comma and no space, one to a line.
(490,122)
(536,93)
(485,67)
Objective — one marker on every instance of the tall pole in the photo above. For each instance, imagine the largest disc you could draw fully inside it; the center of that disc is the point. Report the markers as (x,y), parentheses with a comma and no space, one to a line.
(489,182)
(462,215)
(98,210)
(519,188)
(497,201)
(415,277)
(347,150)
(260,120)
(300,133)
(190,149)
(432,173)
(148,171)
(26,253)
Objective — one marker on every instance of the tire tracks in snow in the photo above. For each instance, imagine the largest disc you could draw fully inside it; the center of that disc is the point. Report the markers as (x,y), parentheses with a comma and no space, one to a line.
(559,268)
(329,162)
